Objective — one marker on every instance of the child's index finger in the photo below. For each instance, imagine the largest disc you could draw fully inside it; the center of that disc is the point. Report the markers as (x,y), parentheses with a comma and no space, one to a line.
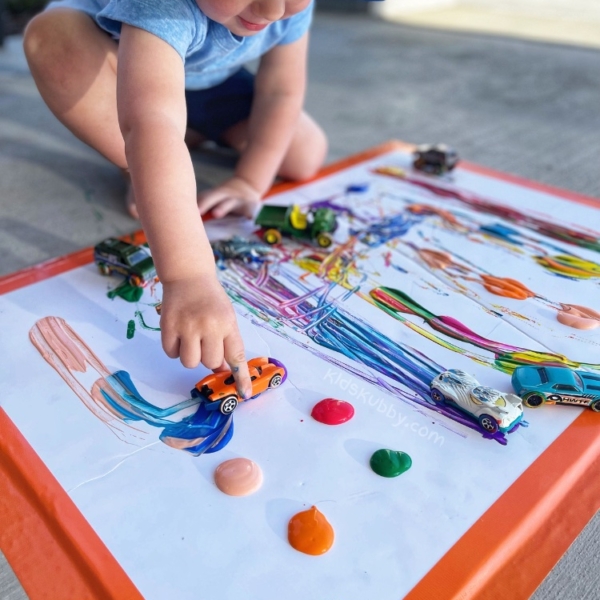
(235,358)
(242,379)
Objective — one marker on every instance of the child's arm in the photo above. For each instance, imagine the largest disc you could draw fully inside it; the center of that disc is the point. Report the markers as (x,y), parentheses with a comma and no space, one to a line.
(278,99)
(198,323)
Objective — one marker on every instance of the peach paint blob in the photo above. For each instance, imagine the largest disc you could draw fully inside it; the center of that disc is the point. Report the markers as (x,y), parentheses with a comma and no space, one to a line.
(310,532)
(332,412)
(578,317)
(238,477)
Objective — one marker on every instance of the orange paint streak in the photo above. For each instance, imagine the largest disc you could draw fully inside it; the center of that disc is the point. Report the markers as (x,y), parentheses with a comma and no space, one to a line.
(425,209)
(568,270)
(504,286)
(310,532)
(436,259)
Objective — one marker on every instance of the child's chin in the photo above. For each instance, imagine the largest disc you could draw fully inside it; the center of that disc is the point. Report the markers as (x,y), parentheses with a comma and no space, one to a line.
(242,32)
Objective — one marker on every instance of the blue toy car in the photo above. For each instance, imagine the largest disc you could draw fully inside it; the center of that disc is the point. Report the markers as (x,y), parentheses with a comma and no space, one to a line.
(557,385)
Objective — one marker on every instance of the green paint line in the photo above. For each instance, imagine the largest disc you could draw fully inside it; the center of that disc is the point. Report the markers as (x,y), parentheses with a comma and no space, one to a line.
(143,324)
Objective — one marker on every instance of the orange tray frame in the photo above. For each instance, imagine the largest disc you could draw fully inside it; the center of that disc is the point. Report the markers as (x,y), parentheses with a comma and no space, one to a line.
(507,552)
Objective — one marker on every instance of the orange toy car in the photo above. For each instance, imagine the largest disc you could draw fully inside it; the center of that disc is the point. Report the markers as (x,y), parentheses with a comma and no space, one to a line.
(219,390)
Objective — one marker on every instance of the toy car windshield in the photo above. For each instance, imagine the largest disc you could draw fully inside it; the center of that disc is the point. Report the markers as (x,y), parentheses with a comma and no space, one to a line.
(488,395)
(137,257)
(456,377)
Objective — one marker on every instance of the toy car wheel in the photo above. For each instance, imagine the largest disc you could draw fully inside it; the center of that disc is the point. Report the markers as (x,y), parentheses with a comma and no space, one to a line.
(595,405)
(103,268)
(436,395)
(136,281)
(324,240)
(277,363)
(488,423)
(228,405)
(272,236)
(275,381)
(534,400)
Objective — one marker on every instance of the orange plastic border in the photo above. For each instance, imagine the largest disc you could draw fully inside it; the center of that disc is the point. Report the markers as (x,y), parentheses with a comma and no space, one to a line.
(55,553)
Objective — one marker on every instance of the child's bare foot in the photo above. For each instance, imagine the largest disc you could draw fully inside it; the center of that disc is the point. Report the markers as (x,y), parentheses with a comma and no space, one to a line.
(129,196)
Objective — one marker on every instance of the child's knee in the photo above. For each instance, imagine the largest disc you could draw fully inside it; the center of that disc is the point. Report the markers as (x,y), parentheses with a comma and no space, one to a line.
(39,34)
(53,41)
(307,155)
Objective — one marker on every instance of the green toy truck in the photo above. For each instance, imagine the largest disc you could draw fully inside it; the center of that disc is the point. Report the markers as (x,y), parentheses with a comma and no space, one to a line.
(316,225)
(135,262)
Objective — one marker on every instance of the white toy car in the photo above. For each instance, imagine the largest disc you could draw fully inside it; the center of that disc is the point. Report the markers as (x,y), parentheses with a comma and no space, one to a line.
(493,410)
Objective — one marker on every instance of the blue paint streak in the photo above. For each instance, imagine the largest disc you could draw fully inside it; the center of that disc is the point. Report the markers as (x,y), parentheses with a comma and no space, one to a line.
(383,231)
(214,429)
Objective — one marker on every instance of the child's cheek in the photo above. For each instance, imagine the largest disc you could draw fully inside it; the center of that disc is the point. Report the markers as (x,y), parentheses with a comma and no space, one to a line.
(293,7)
(222,10)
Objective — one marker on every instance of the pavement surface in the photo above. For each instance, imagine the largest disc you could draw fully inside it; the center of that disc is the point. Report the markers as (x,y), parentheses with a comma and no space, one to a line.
(530,109)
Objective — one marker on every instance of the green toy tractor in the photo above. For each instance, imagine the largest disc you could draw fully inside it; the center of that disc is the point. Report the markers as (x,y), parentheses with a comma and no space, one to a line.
(316,225)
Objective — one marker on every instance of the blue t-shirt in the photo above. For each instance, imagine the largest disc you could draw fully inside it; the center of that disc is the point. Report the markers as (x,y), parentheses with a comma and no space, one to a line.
(211,53)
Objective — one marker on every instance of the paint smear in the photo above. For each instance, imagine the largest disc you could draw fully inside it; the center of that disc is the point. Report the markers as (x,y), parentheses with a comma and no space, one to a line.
(332,412)
(506,357)
(238,477)
(569,266)
(435,259)
(390,463)
(126,291)
(578,317)
(130,329)
(115,401)
(310,532)
(584,239)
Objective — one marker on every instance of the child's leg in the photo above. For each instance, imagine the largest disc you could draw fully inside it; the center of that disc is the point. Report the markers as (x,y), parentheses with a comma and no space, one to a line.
(74,63)
(306,153)
(221,114)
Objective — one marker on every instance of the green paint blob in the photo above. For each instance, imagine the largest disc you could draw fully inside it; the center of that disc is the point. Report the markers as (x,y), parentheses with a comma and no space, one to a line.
(128,292)
(390,463)
(130,329)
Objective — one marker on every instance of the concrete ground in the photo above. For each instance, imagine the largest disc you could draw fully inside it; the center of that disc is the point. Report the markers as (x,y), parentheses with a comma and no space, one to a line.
(526,108)
(566,26)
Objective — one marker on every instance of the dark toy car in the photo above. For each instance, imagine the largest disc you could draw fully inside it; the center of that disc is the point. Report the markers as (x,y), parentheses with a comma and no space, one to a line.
(114,256)
(557,385)
(435,159)
(238,248)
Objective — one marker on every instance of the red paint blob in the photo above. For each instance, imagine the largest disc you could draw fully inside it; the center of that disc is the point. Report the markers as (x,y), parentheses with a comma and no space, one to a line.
(332,412)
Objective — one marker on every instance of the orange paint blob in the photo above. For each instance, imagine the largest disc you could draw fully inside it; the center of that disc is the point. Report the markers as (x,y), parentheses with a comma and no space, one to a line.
(578,317)
(310,532)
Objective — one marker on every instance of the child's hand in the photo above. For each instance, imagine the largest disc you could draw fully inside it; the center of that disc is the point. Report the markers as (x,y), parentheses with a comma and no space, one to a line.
(198,325)
(234,196)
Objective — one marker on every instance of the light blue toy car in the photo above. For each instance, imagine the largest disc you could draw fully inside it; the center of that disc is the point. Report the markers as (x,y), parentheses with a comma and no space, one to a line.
(557,385)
